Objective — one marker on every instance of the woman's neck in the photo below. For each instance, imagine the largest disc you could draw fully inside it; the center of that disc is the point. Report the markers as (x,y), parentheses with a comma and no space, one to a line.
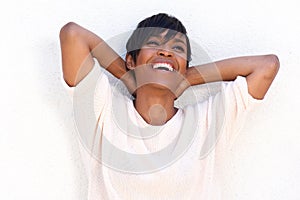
(156,107)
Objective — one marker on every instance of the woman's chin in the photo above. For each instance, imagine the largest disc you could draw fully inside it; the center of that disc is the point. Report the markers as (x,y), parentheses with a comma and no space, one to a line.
(159,79)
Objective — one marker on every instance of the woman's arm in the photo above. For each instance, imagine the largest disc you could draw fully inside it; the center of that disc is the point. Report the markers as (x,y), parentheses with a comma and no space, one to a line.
(259,71)
(78,47)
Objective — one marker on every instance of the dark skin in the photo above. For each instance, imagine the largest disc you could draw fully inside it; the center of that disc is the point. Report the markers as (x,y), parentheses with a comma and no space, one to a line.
(155,97)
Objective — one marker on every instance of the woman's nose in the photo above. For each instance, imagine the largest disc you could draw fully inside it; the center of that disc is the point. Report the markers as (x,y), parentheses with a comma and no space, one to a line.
(165,53)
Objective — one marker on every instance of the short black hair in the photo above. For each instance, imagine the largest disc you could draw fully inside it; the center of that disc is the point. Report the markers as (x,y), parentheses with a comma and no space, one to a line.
(155,25)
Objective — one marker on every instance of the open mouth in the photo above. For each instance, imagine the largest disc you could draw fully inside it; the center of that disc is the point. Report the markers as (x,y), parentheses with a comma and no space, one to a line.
(163,66)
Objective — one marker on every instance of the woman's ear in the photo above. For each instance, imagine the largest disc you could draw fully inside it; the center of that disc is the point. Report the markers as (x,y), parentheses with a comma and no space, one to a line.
(129,62)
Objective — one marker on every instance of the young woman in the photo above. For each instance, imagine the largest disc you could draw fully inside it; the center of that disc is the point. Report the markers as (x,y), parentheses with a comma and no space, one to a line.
(155,150)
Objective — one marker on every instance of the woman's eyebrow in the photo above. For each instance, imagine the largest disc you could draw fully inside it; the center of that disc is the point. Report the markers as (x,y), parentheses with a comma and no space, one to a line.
(180,41)
(159,36)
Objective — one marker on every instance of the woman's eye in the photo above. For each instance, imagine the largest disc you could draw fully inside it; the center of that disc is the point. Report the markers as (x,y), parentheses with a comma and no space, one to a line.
(152,43)
(178,48)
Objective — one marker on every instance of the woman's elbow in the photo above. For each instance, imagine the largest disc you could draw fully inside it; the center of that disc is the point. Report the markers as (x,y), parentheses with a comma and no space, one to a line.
(69,30)
(271,66)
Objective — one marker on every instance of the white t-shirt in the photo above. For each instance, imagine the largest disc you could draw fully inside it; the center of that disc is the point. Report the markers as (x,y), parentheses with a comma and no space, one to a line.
(126,158)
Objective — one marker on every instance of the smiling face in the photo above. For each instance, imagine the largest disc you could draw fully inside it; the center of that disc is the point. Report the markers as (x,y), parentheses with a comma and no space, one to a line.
(171,52)
(161,61)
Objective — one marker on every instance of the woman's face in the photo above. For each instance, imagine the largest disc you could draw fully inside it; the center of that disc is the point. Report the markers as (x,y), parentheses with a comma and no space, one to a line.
(162,62)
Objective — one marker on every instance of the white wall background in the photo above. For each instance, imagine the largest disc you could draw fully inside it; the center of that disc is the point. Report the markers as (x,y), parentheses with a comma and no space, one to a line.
(38,154)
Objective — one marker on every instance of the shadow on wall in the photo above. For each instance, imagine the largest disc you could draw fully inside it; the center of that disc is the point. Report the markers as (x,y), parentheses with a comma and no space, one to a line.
(54,94)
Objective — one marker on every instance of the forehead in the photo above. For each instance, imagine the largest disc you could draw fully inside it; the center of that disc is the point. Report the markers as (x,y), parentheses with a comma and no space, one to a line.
(169,34)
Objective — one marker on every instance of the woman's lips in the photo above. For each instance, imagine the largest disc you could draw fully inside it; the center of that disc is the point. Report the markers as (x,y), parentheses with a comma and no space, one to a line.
(163,66)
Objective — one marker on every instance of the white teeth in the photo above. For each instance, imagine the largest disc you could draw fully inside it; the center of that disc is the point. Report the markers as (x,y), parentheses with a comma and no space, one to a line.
(163,66)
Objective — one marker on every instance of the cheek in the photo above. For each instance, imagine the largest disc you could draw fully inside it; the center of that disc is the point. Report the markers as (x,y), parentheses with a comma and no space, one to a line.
(144,55)
(182,62)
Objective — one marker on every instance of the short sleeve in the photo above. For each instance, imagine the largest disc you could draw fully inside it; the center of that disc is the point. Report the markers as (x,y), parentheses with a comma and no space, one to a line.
(94,89)
(237,93)
(228,109)
(239,103)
